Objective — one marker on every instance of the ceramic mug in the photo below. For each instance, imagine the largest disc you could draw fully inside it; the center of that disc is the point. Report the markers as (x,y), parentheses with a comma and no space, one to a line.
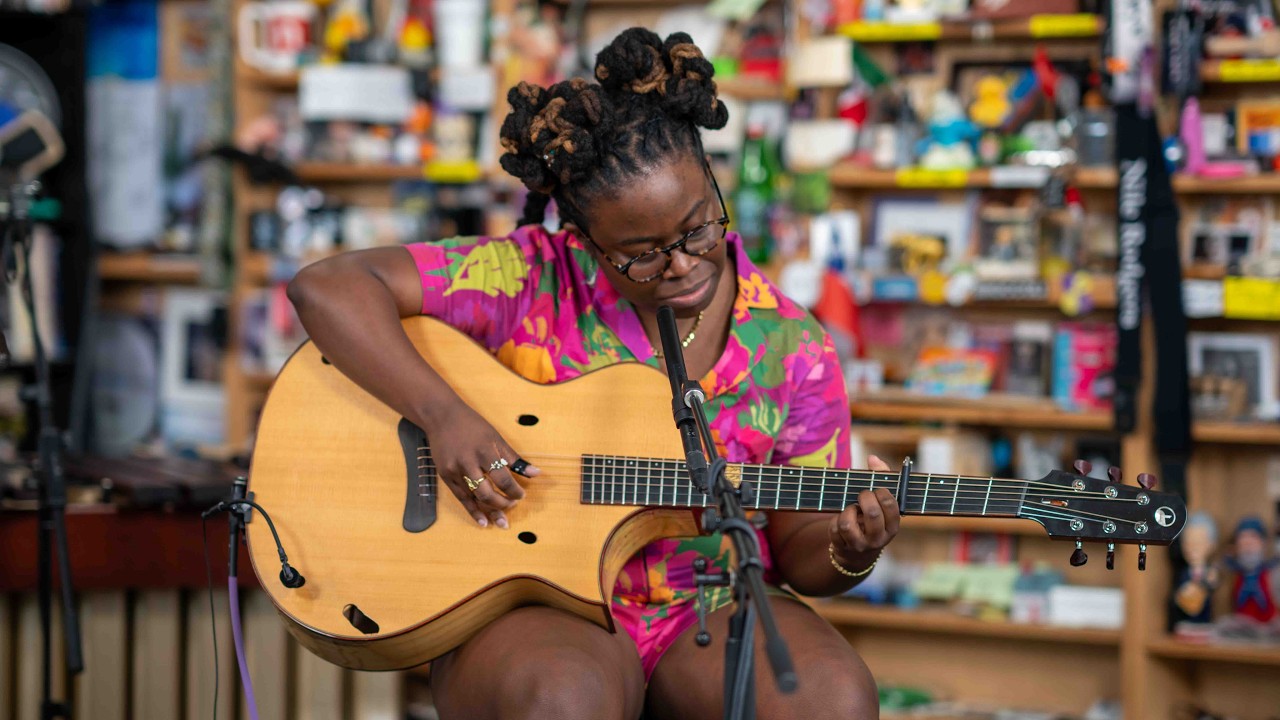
(273,35)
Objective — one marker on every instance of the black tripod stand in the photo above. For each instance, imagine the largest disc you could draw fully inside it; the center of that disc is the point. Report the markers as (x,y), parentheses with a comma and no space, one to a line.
(15,231)
(725,514)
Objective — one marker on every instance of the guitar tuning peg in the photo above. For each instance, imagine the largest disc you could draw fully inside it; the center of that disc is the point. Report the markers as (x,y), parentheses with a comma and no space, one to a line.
(1142,556)
(1111,556)
(1147,481)
(1079,557)
(1083,466)
(1115,473)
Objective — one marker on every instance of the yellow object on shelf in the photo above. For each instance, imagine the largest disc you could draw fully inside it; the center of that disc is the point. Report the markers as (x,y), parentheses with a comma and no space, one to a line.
(1249,70)
(926,178)
(453,171)
(1249,298)
(1069,25)
(874,31)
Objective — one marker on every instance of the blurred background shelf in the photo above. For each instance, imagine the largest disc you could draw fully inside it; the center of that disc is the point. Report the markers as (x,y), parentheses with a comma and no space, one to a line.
(1043,27)
(351,172)
(1242,70)
(994,410)
(856,614)
(148,267)
(1243,654)
(1243,433)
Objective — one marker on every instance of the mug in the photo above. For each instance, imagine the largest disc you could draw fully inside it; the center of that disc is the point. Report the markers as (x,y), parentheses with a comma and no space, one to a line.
(273,35)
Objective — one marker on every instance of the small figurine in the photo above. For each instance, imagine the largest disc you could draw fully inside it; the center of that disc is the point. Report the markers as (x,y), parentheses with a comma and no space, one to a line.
(1194,584)
(1251,592)
(991,105)
(949,145)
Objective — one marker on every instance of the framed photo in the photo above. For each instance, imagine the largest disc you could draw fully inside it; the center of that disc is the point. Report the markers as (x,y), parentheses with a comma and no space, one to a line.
(1008,242)
(917,234)
(1245,357)
(191,367)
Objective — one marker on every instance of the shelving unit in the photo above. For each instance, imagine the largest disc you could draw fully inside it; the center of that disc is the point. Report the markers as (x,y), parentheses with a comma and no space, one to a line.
(933,622)
(147,267)
(1239,654)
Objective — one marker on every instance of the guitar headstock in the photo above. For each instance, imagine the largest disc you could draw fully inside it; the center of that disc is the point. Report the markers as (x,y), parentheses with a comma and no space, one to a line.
(1075,506)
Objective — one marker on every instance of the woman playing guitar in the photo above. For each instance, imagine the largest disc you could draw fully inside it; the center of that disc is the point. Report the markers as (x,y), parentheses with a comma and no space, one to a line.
(644,225)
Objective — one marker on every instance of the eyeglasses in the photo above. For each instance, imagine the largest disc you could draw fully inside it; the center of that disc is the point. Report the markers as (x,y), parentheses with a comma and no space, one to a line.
(651,265)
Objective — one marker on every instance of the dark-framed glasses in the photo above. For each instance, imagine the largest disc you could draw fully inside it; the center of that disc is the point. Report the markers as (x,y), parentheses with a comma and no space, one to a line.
(650,265)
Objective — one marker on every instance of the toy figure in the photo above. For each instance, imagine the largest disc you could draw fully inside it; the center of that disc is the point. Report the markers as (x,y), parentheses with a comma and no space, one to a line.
(1194,584)
(991,105)
(951,136)
(1251,592)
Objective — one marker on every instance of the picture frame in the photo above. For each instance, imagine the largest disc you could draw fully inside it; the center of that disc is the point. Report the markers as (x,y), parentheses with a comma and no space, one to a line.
(1248,357)
(895,218)
(192,399)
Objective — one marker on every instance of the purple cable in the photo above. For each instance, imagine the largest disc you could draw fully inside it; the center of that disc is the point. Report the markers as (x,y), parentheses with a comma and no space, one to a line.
(238,636)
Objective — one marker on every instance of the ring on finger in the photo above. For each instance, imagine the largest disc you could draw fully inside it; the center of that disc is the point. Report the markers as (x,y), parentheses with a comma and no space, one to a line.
(497,464)
(473,484)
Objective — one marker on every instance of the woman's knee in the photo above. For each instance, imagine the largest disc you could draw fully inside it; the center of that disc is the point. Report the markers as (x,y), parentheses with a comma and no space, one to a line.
(839,685)
(564,682)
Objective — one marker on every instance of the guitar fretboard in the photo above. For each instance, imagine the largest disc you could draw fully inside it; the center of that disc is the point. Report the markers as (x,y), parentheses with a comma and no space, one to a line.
(618,480)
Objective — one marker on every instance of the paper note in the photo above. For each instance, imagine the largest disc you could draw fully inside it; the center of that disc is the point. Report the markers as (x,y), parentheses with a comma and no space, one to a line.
(891,32)
(1250,70)
(925,178)
(1072,25)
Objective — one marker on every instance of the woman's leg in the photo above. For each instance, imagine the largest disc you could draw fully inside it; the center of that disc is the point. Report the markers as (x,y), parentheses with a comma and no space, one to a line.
(538,662)
(833,681)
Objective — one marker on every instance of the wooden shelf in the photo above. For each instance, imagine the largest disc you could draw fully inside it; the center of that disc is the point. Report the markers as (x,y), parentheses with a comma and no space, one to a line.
(146,267)
(271,81)
(855,614)
(1267,183)
(752,89)
(1242,433)
(990,411)
(1241,653)
(1039,27)
(1245,70)
(934,523)
(853,176)
(351,172)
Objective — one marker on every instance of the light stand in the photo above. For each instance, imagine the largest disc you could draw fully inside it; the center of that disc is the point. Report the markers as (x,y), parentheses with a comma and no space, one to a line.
(724,514)
(52,502)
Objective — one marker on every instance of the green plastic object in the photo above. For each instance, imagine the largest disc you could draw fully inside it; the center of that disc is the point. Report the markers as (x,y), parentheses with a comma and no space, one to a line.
(46,210)
(897,698)
(867,68)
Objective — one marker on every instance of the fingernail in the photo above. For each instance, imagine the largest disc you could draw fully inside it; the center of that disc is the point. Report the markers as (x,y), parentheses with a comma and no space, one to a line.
(532,470)
(501,522)
(482,522)
(874,458)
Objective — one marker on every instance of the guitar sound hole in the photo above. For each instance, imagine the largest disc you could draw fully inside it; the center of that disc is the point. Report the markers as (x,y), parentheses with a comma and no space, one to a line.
(325,360)
(528,420)
(359,620)
(527,538)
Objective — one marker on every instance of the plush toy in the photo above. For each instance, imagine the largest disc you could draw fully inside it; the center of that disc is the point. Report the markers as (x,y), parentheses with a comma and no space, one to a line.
(991,105)
(1251,592)
(951,136)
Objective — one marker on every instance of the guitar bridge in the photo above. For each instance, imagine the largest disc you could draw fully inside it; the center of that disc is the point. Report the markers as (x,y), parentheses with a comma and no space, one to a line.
(420,469)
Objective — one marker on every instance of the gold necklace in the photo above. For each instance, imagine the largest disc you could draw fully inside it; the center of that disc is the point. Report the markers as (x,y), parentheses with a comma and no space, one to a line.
(693,332)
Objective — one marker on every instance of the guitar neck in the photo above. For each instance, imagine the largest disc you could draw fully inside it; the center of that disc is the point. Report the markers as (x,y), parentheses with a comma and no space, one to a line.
(615,480)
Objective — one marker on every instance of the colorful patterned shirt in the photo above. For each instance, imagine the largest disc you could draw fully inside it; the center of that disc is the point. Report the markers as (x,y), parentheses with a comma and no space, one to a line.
(776,395)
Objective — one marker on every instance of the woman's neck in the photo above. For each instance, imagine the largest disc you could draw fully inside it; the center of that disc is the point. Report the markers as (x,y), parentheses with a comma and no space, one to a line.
(712,332)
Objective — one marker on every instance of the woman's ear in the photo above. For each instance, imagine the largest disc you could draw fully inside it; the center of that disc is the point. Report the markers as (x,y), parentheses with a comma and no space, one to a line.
(573,229)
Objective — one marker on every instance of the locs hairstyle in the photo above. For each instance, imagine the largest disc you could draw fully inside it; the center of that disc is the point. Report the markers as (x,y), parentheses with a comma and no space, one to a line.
(577,140)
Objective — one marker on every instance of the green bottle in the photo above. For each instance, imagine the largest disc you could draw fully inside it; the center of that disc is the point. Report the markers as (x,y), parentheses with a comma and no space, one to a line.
(755,194)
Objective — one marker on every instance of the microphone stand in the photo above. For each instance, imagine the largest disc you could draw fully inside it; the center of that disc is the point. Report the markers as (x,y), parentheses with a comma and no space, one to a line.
(52,502)
(725,514)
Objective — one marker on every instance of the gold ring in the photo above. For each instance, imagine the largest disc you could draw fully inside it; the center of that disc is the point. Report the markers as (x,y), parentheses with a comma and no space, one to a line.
(473,484)
(496,464)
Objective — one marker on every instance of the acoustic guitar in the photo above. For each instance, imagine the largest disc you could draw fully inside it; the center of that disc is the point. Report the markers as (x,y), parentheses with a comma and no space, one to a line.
(398,573)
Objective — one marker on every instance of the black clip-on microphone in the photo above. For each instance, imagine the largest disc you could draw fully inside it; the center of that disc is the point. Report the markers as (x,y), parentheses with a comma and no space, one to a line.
(749,596)
(239,509)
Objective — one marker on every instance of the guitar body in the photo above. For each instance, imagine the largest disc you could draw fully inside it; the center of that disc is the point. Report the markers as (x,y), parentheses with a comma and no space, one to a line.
(331,468)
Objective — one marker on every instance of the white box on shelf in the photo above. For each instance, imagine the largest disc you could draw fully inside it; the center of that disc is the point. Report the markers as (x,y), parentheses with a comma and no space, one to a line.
(364,93)
(1081,606)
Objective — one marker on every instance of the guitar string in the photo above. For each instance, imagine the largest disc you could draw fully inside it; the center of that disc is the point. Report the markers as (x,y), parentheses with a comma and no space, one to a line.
(575,461)
(857,475)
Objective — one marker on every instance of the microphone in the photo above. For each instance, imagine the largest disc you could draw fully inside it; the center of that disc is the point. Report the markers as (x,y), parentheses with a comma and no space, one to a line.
(239,507)
(29,144)
(695,459)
